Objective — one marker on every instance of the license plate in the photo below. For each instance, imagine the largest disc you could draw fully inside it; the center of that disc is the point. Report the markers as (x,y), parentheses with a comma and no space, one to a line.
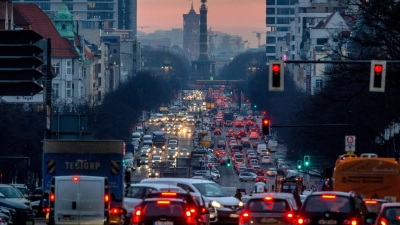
(327,222)
(268,220)
(163,223)
(29,223)
(234,215)
(66,218)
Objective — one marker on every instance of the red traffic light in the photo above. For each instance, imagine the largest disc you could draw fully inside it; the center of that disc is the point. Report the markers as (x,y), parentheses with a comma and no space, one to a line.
(264,112)
(276,68)
(266,122)
(210,165)
(378,69)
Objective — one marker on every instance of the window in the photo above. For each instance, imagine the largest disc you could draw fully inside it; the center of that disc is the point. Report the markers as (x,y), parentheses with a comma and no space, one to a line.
(56,68)
(270,20)
(298,30)
(55,90)
(270,49)
(318,84)
(283,11)
(283,2)
(69,93)
(69,83)
(134,192)
(322,41)
(73,90)
(270,2)
(271,40)
(284,20)
(282,29)
(280,49)
(69,67)
(185,187)
(270,11)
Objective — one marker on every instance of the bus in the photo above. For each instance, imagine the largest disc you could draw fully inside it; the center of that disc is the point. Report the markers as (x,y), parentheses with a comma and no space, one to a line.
(370,177)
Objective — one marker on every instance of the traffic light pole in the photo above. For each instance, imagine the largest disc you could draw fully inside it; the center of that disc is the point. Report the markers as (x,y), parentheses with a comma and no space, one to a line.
(337,61)
(48,87)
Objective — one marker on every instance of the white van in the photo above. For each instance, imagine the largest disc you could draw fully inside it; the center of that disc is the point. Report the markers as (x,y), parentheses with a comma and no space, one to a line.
(139,129)
(213,194)
(136,137)
(261,148)
(147,140)
(79,200)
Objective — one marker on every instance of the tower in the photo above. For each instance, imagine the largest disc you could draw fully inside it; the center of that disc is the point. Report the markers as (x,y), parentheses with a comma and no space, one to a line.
(203,68)
(191,30)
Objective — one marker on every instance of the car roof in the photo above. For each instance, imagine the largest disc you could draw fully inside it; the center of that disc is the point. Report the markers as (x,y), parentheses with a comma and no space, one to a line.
(175,180)
(338,193)
(273,195)
(390,204)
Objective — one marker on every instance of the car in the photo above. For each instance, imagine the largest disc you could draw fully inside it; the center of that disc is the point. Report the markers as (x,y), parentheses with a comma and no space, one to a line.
(249,123)
(388,214)
(253,129)
(248,151)
(266,159)
(272,172)
(13,194)
(23,189)
(229,133)
(255,144)
(269,208)
(333,207)
(221,144)
(184,152)
(239,123)
(260,179)
(374,206)
(258,170)
(14,212)
(228,123)
(247,176)
(207,172)
(217,131)
(239,161)
(253,135)
(242,133)
(144,161)
(246,142)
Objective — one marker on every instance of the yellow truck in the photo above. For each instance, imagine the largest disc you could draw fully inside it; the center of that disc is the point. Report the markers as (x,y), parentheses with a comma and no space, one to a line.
(370,177)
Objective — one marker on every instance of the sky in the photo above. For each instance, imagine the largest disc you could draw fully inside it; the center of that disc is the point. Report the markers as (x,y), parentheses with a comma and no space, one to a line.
(235,17)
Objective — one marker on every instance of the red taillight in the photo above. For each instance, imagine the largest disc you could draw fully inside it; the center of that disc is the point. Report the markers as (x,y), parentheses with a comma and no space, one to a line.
(52,197)
(290,215)
(75,178)
(268,198)
(136,216)
(244,217)
(192,210)
(116,211)
(329,196)
(300,221)
(46,209)
(163,202)
(371,202)
(168,194)
(203,210)
(351,222)
(189,218)
(383,221)
(106,198)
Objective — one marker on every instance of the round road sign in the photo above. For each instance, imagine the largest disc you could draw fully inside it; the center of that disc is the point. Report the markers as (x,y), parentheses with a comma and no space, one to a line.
(350,139)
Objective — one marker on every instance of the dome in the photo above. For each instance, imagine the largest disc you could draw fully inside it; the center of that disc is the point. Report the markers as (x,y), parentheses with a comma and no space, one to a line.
(63,14)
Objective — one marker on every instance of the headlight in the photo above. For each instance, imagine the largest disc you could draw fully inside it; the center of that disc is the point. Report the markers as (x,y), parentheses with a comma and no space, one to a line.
(156,174)
(163,147)
(216,204)
(181,153)
(241,204)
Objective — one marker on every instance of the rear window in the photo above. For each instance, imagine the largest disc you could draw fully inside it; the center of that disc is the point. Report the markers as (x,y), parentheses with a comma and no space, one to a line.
(268,205)
(392,214)
(163,208)
(373,205)
(327,203)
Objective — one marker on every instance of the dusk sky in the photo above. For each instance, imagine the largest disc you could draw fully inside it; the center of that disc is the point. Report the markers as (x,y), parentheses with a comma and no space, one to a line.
(236,17)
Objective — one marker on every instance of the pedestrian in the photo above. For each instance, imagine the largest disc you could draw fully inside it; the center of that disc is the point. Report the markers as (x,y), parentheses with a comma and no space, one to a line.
(238,195)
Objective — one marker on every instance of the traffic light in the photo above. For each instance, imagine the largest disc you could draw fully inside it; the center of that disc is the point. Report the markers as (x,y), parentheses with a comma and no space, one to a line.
(299,164)
(306,160)
(266,126)
(19,60)
(228,162)
(276,75)
(377,76)
(137,162)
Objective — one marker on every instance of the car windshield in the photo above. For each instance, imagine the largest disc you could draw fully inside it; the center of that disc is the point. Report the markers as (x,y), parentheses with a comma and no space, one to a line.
(210,190)
(163,208)
(11,192)
(267,205)
(327,203)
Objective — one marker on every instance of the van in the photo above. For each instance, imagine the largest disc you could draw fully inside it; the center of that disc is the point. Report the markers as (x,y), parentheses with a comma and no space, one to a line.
(79,200)
(147,140)
(225,204)
(136,137)
(140,130)
(260,148)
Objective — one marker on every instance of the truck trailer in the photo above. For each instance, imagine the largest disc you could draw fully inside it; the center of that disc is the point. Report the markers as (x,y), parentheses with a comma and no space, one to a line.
(87,158)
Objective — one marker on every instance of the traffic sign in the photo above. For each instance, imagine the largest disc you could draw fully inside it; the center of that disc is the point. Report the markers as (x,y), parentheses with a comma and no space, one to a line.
(38,98)
(350,143)
(18,62)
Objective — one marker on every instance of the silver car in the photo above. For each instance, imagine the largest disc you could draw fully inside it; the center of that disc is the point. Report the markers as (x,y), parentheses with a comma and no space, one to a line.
(247,176)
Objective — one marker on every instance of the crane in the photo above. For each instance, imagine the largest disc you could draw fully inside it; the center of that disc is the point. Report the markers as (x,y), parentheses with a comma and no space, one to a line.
(258,35)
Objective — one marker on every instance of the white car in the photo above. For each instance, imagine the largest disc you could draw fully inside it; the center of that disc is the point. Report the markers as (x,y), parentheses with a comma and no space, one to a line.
(247,176)
(266,159)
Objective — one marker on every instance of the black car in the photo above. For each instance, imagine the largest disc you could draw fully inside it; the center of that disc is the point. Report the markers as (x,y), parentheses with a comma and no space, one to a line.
(271,208)
(328,207)
(169,208)
(21,214)
(221,144)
